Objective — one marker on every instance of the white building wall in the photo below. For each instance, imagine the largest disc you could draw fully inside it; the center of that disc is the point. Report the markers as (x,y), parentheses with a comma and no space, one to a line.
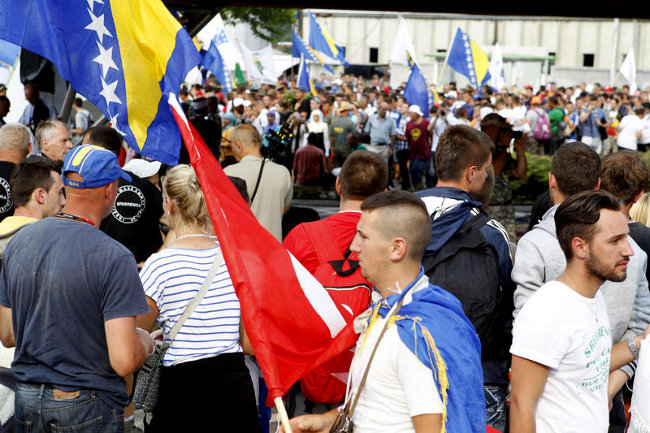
(568,38)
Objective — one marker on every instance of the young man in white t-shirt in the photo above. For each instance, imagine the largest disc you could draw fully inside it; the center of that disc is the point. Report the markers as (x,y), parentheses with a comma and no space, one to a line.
(562,349)
(405,389)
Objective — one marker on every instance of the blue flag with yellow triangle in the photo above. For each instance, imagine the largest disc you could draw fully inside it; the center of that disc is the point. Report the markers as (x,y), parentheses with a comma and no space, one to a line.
(320,40)
(125,56)
(417,91)
(468,59)
(300,48)
(304,82)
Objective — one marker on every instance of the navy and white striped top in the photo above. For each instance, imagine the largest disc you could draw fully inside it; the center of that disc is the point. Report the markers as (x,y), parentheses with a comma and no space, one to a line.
(172,278)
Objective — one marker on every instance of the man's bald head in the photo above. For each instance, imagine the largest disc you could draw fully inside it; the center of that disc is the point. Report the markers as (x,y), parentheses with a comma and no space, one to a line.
(246,140)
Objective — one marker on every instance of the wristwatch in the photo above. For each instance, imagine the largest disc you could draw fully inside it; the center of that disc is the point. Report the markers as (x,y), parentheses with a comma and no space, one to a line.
(632,345)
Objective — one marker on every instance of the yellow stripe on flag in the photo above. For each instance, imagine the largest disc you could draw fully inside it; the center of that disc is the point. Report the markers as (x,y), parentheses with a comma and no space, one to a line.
(146,33)
(330,42)
(481,62)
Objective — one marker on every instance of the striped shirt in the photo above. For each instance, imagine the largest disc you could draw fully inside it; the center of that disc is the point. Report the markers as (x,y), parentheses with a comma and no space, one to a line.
(172,278)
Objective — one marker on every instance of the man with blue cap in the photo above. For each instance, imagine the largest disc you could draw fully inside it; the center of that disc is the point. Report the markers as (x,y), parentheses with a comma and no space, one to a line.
(69,295)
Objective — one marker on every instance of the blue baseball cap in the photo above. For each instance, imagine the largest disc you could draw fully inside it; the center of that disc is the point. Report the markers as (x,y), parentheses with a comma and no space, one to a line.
(96,165)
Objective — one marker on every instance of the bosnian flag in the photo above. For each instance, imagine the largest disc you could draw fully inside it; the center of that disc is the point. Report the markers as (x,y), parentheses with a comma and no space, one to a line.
(290,319)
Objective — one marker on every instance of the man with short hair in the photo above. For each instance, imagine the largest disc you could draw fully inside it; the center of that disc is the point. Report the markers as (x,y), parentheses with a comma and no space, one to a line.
(133,221)
(382,131)
(416,328)
(576,167)
(14,146)
(625,175)
(592,117)
(363,174)
(37,193)
(53,139)
(69,307)
(562,340)
(269,184)
(480,276)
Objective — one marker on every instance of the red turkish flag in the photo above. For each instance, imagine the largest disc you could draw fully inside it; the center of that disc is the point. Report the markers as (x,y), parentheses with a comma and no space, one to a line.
(290,319)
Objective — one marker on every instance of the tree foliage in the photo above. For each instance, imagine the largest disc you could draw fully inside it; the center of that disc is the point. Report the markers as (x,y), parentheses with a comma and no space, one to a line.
(271,24)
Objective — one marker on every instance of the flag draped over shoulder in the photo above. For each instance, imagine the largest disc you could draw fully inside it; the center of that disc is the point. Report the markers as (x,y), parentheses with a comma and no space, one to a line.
(289,317)
(434,327)
(468,59)
(125,56)
(304,81)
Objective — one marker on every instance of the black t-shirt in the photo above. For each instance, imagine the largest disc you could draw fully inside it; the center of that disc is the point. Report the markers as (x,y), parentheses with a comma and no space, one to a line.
(210,132)
(641,235)
(6,204)
(134,219)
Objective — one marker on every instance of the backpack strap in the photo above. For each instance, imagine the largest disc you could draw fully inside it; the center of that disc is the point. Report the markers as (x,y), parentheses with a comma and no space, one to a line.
(324,243)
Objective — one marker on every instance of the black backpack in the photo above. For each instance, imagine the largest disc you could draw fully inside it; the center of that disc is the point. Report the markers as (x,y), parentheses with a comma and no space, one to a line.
(467,266)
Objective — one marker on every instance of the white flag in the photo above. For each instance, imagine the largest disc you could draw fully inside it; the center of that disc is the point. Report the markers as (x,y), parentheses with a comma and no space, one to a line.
(628,70)
(260,65)
(403,51)
(497,73)
(225,43)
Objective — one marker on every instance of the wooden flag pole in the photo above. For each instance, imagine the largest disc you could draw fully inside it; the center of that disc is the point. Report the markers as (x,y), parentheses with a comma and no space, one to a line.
(282,412)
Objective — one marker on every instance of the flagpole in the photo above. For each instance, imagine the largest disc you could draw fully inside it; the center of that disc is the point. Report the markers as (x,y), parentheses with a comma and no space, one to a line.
(282,412)
(444,65)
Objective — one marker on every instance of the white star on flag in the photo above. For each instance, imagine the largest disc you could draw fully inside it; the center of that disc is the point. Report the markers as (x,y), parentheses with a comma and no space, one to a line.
(91,3)
(113,123)
(108,92)
(105,58)
(97,25)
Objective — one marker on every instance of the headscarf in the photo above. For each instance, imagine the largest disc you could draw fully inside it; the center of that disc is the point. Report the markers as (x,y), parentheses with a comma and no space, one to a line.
(271,126)
(313,125)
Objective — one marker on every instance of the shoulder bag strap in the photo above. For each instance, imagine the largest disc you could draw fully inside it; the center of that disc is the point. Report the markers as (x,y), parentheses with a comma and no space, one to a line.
(199,296)
(350,409)
(259,177)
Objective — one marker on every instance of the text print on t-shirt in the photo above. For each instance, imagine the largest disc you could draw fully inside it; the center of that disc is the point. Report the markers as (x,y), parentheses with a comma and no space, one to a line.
(597,354)
(129,204)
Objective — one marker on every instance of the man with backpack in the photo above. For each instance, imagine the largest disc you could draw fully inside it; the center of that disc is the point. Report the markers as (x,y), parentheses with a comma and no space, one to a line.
(468,255)
(539,124)
(323,248)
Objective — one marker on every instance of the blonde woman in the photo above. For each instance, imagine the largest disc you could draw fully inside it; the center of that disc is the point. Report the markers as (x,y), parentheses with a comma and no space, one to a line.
(640,210)
(204,381)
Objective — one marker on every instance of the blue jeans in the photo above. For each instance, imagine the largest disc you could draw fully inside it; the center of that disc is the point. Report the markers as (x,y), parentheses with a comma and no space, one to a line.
(495,406)
(43,408)
(418,168)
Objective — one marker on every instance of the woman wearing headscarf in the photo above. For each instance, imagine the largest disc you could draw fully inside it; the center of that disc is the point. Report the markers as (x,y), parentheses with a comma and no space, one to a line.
(317,125)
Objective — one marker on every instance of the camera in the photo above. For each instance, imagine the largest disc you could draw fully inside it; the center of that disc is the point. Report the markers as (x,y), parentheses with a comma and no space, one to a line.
(276,142)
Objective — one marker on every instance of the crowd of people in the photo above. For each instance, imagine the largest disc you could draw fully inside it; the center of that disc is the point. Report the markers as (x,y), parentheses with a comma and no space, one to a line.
(461,325)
